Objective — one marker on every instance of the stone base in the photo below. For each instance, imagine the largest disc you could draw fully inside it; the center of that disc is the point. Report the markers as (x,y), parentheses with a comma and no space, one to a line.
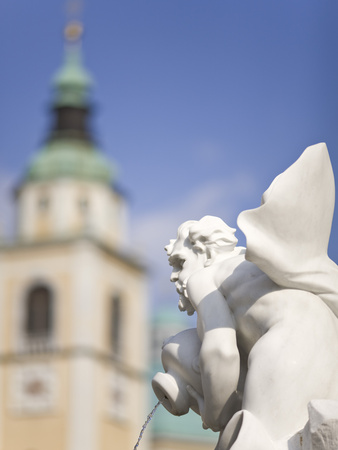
(245,432)
(321,431)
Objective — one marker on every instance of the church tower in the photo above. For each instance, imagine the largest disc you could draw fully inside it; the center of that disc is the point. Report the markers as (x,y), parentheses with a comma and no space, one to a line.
(72,298)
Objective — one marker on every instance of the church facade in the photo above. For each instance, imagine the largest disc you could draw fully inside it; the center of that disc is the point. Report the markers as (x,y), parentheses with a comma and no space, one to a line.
(73,303)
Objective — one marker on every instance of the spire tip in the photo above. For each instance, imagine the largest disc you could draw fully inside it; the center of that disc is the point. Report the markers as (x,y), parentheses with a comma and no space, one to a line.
(73,31)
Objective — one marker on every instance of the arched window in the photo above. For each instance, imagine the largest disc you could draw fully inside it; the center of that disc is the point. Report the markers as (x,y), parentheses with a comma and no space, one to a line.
(39,313)
(116,324)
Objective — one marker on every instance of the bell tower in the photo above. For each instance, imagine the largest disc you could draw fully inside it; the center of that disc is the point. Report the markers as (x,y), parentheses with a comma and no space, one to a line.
(72,310)
(67,186)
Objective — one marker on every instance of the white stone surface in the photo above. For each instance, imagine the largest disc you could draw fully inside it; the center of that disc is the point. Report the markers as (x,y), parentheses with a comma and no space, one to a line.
(321,432)
(266,315)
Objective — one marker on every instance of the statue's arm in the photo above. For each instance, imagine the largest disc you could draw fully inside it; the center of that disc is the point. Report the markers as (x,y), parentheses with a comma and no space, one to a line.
(219,356)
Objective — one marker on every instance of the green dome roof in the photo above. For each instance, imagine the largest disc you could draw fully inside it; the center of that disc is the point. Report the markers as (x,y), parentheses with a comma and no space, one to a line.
(70,150)
(70,158)
(72,82)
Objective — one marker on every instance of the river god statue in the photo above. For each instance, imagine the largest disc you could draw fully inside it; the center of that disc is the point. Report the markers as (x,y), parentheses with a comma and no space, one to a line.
(266,341)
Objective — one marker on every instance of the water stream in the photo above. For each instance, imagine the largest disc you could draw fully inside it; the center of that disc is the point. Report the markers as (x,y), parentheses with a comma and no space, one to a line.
(149,417)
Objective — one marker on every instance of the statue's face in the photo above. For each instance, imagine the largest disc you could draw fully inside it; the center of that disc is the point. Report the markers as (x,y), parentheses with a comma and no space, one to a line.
(185,261)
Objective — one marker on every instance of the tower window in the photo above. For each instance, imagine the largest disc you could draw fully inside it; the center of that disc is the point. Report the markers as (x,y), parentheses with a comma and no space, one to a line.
(39,313)
(116,325)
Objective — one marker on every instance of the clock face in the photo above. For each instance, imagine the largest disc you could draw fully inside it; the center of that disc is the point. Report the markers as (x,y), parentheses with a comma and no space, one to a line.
(33,389)
(117,396)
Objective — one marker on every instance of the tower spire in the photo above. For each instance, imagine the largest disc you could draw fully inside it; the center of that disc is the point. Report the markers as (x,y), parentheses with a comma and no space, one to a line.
(73,32)
(72,83)
(74,27)
(70,149)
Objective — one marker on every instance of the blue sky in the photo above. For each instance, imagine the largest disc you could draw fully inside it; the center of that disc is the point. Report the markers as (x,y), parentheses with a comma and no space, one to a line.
(201,103)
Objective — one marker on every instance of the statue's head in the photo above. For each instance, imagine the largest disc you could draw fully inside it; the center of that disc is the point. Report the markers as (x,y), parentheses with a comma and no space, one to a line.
(197,245)
(212,236)
(180,251)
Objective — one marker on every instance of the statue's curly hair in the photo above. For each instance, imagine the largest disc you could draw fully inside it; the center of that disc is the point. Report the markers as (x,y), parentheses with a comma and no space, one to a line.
(208,235)
(212,233)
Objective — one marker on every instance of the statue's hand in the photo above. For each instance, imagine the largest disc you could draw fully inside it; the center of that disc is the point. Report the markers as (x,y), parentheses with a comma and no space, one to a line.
(234,404)
(200,401)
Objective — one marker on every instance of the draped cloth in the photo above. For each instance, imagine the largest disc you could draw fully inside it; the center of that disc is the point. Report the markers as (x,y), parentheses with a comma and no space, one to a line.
(288,235)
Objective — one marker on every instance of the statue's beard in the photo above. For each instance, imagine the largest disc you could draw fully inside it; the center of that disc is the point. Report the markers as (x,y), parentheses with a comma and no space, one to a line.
(185,305)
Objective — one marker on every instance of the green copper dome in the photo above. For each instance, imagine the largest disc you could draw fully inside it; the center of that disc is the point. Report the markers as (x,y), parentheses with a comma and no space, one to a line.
(72,82)
(70,158)
(70,151)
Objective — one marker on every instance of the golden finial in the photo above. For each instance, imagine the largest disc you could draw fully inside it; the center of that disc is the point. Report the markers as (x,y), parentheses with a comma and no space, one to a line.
(74,28)
(73,31)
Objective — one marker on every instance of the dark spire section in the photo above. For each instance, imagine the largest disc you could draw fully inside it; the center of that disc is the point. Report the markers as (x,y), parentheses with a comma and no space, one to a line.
(72,84)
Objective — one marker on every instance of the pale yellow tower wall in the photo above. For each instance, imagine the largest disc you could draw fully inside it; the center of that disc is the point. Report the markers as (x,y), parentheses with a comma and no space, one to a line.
(42,430)
(177,444)
(83,275)
(69,207)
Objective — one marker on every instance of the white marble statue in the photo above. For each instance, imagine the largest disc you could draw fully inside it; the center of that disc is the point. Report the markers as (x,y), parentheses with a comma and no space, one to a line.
(266,342)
